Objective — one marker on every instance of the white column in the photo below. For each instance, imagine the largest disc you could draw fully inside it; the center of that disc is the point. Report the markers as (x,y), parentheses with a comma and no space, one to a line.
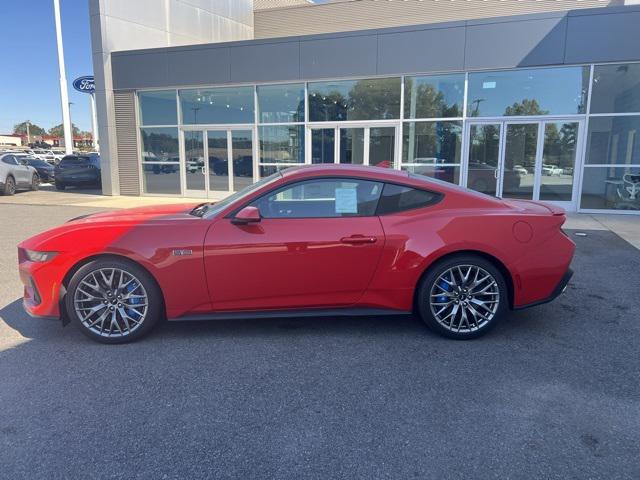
(94,123)
(64,95)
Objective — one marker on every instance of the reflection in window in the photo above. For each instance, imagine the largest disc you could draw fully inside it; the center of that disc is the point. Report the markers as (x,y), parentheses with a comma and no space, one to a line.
(521,144)
(159,144)
(616,88)
(372,99)
(382,148)
(431,142)
(323,145)
(352,145)
(446,173)
(281,144)
(433,96)
(217,105)
(161,179)
(158,108)
(281,103)
(541,91)
(558,160)
(613,140)
(616,188)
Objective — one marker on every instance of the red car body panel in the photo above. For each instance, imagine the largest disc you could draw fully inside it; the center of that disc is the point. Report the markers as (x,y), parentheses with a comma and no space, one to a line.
(207,265)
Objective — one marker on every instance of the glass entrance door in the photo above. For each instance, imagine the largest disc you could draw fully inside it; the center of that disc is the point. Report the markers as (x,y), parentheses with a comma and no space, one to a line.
(529,160)
(353,144)
(227,165)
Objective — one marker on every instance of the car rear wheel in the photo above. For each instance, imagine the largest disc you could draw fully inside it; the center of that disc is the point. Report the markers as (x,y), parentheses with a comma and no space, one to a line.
(35,182)
(60,186)
(462,297)
(113,301)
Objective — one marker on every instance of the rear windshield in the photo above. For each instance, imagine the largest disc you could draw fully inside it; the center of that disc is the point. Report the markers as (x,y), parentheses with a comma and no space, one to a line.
(83,160)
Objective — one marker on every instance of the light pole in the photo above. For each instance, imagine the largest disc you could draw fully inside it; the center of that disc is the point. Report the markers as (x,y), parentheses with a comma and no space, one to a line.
(28,132)
(64,94)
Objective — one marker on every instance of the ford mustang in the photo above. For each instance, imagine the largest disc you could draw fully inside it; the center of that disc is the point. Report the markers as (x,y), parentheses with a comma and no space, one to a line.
(306,241)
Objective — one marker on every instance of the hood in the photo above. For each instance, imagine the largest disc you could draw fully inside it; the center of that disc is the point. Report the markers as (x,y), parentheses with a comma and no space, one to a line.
(108,224)
(137,214)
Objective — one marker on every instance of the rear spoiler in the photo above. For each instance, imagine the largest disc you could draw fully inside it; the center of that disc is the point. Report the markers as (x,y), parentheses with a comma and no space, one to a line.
(554,209)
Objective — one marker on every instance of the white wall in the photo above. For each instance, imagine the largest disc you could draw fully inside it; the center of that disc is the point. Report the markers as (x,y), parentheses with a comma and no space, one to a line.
(137,24)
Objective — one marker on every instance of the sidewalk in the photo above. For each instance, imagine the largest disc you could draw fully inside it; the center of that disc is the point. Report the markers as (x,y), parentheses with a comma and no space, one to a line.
(625,226)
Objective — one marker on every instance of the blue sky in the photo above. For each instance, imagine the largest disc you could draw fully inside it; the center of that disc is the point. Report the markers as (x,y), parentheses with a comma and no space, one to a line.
(29,87)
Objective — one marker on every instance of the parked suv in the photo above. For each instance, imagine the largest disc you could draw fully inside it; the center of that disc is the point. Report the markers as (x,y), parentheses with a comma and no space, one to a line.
(78,170)
(15,176)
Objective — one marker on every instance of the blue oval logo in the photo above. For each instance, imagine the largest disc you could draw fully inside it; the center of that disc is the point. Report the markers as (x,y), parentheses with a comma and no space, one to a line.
(85,84)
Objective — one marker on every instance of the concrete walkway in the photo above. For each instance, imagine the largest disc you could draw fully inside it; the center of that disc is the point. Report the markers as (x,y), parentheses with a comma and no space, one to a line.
(625,226)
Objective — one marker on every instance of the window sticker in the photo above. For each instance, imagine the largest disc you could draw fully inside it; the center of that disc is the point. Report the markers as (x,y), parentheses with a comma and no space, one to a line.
(346,200)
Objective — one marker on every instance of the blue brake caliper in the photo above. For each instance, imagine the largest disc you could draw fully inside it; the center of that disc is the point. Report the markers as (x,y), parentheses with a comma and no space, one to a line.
(133,301)
(445,286)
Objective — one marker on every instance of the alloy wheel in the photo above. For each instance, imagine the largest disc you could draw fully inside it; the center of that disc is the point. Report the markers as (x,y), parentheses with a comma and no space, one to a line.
(111,302)
(464,298)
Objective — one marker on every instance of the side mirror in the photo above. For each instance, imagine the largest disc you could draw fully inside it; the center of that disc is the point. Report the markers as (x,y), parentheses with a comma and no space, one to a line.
(246,216)
(24,162)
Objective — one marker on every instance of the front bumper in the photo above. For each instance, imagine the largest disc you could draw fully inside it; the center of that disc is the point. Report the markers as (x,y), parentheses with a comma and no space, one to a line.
(557,291)
(42,288)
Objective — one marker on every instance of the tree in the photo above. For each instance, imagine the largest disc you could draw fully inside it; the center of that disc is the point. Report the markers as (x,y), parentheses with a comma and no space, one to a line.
(21,128)
(58,131)
(525,107)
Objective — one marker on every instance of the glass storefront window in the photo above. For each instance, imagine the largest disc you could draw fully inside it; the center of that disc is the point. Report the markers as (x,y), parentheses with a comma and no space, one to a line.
(558,161)
(613,140)
(281,103)
(323,145)
(616,88)
(352,146)
(217,105)
(433,96)
(520,147)
(447,173)
(616,188)
(161,161)
(161,179)
(369,99)
(158,107)
(431,142)
(160,144)
(541,91)
(281,144)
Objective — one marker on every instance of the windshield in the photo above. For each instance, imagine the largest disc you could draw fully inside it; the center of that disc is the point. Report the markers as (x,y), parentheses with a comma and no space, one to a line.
(211,209)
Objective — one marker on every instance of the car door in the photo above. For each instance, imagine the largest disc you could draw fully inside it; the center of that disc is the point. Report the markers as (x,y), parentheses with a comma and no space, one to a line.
(20,172)
(317,244)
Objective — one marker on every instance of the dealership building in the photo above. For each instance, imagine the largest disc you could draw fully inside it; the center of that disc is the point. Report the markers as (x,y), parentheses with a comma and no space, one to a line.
(532,99)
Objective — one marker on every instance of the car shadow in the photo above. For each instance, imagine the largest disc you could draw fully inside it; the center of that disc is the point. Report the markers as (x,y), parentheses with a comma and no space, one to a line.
(16,318)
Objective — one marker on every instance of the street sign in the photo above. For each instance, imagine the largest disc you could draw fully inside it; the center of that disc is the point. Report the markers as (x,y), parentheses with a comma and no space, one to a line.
(85,84)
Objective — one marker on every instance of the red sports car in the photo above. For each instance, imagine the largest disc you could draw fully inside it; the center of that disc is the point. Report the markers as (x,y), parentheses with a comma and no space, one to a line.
(306,241)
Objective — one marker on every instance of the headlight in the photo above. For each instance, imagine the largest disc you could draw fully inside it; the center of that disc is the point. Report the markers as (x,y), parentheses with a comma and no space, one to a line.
(35,256)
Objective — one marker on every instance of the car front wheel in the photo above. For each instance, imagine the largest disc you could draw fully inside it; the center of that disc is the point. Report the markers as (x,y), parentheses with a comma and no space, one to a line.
(462,297)
(113,301)
(35,182)
(9,186)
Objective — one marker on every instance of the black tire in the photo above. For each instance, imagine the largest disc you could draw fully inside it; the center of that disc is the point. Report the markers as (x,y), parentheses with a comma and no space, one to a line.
(9,186)
(428,312)
(154,308)
(60,186)
(35,182)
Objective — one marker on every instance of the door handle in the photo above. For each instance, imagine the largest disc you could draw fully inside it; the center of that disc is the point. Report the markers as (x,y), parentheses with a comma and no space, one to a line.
(358,239)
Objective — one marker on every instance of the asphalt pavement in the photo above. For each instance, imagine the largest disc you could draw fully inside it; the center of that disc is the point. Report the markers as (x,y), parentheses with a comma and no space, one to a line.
(553,392)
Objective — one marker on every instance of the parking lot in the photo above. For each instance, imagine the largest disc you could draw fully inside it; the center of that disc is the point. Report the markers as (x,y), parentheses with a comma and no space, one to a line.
(551,393)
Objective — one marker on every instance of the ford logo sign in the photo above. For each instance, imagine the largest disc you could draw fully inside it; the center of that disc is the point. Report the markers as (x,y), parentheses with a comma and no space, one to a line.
(85,84)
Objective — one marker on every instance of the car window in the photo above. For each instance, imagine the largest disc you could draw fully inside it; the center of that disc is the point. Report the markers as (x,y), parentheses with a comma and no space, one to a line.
(398,198)
(322,198)
(71,160)
(9,160)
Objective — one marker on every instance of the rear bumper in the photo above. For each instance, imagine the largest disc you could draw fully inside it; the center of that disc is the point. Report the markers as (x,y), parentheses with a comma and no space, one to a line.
(557,291)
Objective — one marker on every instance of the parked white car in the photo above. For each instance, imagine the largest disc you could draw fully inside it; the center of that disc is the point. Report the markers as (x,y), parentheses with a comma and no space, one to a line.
(551,170)
(15,176)
(47,156)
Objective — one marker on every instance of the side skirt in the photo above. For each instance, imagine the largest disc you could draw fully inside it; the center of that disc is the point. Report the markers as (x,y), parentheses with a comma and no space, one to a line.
(324,312)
